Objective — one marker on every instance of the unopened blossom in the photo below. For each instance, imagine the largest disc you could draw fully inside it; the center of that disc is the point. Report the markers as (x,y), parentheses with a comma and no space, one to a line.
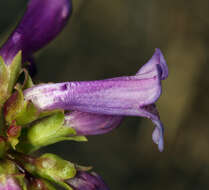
(87,181)
(91,124)
(122,96)
(41,23)
(9,183)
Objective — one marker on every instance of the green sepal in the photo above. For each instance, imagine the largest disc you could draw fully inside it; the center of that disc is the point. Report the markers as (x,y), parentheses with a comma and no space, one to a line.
(3,147)
(47,131)
(14,106)
(14,70)
(14,142)
(22,111)
(21,179)
(48,186)
(8,76)
(28,82)
(2,126)
(4,78)
(53,168)
(30,113)
(7,167)
(27,114)
(64,185)
(83,168)
(13,134)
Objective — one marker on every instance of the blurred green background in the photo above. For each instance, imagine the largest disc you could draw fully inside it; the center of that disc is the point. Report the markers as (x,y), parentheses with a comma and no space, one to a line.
(108,38)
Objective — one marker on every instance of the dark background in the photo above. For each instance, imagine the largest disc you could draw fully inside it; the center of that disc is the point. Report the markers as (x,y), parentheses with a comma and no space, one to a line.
(114,38)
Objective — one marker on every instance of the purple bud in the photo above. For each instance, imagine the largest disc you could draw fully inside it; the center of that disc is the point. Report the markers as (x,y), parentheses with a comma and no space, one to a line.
(87,181)
(9,183)
(122,96)
(42,21)
(91,124)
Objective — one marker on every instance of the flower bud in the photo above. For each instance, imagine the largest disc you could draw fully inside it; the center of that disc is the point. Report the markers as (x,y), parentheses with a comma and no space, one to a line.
(41,23)
(87,181)
(48,166)
(91,124)
(9,183)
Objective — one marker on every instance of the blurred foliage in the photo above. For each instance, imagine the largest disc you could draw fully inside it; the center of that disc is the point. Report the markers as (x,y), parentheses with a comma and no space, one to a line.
(113,38)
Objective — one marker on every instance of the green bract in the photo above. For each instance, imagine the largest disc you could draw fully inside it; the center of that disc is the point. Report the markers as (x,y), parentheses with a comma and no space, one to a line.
(3,147)
(7,167)
(47,131)
(53,168)
(41,184)
(8,76)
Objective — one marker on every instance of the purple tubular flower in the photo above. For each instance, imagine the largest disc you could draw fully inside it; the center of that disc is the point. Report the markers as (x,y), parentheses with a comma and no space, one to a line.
(42,21)
(9,184)
(91,124)
(87,181)
(121,96)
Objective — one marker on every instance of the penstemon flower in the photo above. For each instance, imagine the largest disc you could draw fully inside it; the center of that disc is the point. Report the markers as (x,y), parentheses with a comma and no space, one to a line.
(33,116)
(122,96)
(42,21)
